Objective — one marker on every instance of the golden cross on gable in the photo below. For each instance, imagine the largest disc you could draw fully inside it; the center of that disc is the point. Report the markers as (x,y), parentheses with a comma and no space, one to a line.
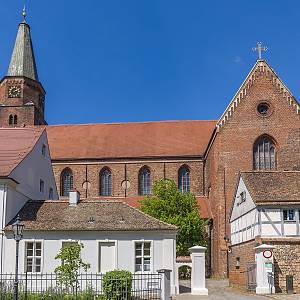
(259,48)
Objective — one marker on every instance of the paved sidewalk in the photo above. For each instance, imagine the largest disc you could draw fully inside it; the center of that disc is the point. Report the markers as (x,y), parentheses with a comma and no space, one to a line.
(220,290)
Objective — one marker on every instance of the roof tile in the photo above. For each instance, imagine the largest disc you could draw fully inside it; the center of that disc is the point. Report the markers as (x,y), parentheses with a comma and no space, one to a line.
(130,140)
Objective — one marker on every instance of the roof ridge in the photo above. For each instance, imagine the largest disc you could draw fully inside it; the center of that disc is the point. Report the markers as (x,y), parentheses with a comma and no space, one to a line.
(130,122)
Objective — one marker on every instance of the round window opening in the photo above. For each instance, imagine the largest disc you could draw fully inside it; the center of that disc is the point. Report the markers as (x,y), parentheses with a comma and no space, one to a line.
(263,109)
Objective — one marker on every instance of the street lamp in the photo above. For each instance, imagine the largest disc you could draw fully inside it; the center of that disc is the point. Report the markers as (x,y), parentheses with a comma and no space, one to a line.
(18,228)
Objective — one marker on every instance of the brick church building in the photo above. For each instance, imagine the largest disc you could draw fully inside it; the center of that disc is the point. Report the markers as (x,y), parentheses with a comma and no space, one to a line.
(258,131)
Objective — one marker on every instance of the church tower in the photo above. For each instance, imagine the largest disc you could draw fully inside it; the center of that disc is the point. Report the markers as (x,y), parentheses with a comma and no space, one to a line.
(22,96)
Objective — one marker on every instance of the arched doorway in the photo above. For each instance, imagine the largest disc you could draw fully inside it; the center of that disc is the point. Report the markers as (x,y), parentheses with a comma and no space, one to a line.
(183,274)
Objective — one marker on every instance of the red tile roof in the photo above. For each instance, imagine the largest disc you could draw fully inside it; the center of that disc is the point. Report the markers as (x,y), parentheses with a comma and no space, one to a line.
(273,187)
(130,140)
(15,145)
(205,210)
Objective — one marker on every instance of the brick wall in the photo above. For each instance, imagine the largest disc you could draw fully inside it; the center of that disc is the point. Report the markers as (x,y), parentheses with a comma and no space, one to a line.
(31,91)
(120,170)
(286,262)
(232,149)
(246,254)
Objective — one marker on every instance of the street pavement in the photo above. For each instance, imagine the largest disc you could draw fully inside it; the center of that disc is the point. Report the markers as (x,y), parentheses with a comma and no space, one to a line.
(220,290)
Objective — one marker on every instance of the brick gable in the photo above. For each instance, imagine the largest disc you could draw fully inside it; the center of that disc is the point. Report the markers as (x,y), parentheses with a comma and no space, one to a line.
(232,147)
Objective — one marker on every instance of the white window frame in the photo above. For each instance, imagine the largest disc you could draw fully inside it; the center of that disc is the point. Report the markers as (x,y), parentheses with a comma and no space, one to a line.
(151,255)
(34,256)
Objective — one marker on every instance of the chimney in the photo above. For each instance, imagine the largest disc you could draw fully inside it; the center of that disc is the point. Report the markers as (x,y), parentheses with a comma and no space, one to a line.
(74,197)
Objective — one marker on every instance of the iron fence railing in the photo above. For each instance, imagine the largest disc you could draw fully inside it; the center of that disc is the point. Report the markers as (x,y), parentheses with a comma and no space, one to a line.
(88,287)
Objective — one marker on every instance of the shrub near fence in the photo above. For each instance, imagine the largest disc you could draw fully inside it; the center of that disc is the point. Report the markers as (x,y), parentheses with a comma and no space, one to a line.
(117,285)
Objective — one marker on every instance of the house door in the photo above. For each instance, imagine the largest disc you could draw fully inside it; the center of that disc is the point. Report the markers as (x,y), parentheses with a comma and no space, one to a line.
(107,259)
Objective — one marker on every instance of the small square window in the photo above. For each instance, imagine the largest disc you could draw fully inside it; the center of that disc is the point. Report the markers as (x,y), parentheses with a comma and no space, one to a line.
(288,215)
(42,186)
(243,196)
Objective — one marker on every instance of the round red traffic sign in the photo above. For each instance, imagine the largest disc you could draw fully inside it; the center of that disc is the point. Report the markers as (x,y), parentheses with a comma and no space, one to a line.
(267,254)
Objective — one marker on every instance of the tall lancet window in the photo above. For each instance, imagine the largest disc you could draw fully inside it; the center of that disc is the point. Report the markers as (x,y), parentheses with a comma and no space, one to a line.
(184,179)
(66,182)
(105,182)
(144,181)
(264,154)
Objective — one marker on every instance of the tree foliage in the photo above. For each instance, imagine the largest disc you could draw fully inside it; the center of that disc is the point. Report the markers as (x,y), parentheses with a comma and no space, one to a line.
(168,204)
(71,263)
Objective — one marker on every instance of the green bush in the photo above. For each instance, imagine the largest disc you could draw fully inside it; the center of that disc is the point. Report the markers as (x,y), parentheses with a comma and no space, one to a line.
(117,285)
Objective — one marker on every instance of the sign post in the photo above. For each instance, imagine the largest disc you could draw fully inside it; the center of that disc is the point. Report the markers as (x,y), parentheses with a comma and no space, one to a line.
(264,269)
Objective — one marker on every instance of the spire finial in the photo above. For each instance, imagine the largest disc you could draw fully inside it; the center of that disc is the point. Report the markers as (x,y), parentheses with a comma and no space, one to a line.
(259,48)
(24,14)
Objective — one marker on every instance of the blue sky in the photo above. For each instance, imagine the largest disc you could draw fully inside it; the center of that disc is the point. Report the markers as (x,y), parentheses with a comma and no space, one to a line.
(145,60)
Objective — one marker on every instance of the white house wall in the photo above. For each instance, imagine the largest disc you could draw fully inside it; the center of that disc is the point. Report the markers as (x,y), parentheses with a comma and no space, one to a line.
(264,222)
(34,167)
(14,202)
(271,222)
(162,249)
(240,209)
(245,228)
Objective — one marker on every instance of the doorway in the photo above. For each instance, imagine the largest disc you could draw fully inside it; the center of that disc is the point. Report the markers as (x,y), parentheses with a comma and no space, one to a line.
(107,257)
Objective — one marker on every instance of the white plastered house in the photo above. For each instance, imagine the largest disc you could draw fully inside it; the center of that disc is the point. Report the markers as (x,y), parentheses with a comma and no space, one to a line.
(114,234)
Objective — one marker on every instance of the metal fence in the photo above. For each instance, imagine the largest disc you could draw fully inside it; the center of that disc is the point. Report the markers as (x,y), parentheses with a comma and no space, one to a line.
(87,287)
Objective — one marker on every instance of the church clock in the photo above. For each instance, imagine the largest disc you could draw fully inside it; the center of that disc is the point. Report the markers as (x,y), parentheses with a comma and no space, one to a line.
(14,92)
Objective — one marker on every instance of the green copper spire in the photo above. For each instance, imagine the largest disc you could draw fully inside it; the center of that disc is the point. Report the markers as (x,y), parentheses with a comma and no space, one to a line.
(22,61)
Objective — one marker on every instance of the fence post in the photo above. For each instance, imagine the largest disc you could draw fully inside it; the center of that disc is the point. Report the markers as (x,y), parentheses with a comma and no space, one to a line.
(165,283)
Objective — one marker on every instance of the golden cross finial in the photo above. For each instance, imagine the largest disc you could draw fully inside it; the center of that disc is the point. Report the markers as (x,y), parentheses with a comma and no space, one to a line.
(259,48)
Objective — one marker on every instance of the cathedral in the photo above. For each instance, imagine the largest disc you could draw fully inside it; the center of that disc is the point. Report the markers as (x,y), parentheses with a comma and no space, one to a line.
(258,132)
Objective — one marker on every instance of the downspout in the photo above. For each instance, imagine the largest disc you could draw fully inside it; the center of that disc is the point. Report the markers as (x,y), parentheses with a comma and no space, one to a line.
(225,227)
(2,226)
(125,178)
(86,180)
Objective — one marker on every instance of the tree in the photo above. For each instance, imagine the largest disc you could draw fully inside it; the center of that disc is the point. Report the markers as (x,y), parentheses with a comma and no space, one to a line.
(71,263)
(168,204)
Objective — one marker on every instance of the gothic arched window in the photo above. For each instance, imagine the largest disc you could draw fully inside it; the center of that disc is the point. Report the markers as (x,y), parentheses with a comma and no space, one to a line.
(144,181)
(10,119)
(66,182)
(264,154)
(184,179)
(105,182)
(15,119)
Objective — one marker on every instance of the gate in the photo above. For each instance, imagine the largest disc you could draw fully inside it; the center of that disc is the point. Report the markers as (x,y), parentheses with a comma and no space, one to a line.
(251,277)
